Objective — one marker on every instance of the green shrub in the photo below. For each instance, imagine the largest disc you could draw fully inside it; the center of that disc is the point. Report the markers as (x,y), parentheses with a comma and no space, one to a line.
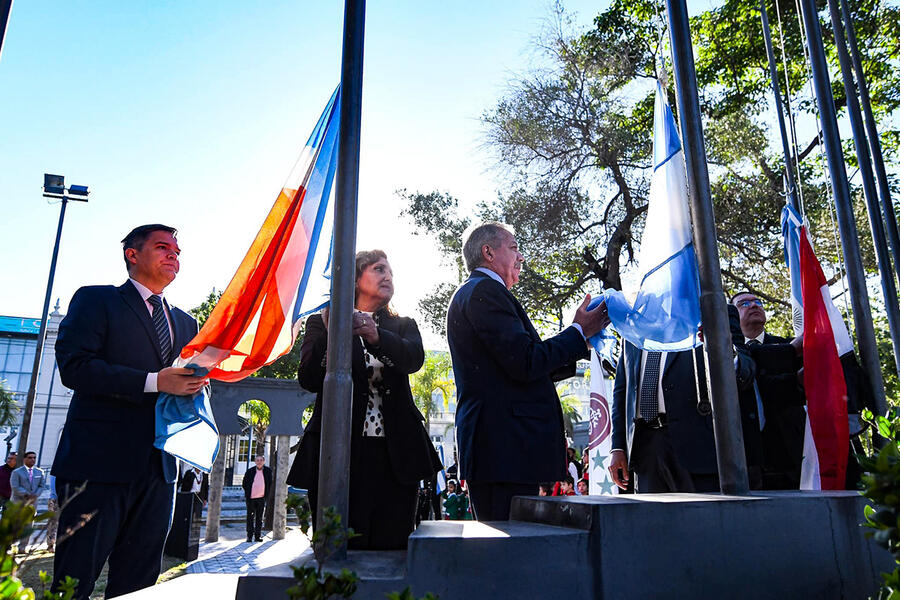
(881,485)
(16,525)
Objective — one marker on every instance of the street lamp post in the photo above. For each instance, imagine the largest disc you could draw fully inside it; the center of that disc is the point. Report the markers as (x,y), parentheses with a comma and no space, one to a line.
(54,187)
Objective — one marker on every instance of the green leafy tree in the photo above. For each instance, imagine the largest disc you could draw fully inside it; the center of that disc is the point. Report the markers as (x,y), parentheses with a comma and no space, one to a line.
(9,407)
(284,367)
(881,486)
(258,416)
(572,139)
(435,375)
(202,312)
(569,403)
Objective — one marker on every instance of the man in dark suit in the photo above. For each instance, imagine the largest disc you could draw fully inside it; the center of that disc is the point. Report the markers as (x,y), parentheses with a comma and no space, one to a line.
(779,378)
(195,481)
(113,351)
(661,421)
(509,422)
(257,484)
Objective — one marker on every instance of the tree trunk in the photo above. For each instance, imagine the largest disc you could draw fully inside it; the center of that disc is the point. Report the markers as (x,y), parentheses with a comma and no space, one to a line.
(216,485)
(270,497)
(280,496)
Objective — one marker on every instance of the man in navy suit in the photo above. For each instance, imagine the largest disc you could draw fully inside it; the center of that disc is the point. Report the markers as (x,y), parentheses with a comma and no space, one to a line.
(113,351)
(509,422)
(661,421)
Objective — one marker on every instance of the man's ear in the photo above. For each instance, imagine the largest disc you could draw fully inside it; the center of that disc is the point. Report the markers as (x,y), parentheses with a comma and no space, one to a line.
(131,256)
(487,252)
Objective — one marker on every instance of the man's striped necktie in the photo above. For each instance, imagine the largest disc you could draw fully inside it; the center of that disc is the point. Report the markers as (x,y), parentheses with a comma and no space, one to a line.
(162,327)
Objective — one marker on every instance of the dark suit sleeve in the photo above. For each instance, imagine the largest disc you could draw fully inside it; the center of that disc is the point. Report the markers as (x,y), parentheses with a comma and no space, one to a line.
(79,351)
(777,366)
(403,350)
(618,405)
(520,356)
(859,390)
(312,354)
(247,483)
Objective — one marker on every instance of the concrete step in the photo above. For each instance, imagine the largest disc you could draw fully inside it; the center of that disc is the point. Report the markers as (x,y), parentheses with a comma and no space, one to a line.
(379,573)
(524,560)
(512,560)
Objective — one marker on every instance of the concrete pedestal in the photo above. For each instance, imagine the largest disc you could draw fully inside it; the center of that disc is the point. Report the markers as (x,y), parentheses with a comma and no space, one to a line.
(777,545)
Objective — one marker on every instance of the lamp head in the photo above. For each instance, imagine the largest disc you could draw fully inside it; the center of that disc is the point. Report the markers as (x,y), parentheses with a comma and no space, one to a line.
(54,186)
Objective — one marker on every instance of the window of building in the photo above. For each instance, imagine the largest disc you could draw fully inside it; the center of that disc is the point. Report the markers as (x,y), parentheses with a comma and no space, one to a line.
(16,361)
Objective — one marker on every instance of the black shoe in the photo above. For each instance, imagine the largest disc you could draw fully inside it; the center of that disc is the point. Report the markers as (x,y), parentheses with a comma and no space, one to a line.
(258,539)
(249,538)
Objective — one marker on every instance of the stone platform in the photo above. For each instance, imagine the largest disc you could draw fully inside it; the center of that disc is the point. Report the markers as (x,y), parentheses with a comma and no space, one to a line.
(775,545)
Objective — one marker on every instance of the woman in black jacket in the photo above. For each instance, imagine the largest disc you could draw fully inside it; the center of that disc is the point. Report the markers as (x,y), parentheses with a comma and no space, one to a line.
(390,449)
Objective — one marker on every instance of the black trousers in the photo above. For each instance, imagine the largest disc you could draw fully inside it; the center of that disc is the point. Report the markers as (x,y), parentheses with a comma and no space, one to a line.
(491,500)
(128,526)
(255,508)
(382,510)
(658,469)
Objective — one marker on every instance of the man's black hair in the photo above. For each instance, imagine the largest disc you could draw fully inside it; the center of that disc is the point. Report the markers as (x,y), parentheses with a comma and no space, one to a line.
(741,293)
(137,236)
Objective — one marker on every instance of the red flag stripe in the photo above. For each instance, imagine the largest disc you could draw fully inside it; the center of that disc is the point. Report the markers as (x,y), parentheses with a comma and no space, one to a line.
(823,377)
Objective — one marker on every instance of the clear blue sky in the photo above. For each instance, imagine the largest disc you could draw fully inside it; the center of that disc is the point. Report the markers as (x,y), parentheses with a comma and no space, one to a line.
(192,113)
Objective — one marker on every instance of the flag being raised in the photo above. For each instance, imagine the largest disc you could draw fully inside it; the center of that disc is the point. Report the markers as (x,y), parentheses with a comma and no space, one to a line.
(665,315)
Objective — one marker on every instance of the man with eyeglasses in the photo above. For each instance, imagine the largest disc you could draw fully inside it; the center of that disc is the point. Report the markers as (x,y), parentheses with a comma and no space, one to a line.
(779,377)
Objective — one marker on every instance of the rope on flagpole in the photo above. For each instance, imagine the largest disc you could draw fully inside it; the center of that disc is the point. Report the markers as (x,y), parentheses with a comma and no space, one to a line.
(842,271)
(704,402)
(790,111)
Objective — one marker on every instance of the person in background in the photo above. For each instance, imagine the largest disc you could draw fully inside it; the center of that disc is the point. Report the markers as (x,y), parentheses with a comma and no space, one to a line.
(456,504)
(545,489)
(567,487)
(5,472)
(257,484)
(195,481)
(28,481)
(582,488)
(575,467)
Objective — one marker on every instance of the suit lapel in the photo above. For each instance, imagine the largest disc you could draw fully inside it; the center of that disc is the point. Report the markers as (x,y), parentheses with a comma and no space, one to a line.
(136,303)
(523,316)
(179,339)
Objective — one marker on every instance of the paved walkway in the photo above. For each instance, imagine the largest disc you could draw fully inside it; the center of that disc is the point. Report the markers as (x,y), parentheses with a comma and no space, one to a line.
(233,554)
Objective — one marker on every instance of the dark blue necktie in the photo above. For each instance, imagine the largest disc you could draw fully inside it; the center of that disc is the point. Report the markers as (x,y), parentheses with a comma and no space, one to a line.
(650,383)
(162,327)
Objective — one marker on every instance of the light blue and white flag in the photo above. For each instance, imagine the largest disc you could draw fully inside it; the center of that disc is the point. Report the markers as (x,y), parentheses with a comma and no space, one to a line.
(666,312)
(791,222)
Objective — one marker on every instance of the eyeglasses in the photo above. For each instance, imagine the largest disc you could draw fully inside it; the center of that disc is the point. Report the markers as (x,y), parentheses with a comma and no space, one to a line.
(746,303)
